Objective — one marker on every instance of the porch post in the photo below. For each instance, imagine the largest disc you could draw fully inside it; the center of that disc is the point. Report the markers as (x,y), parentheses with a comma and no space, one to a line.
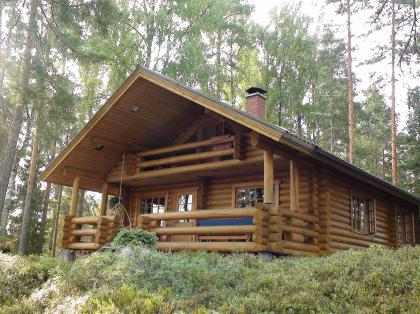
(268,177)
(104,200)
(74,196)
(294,185)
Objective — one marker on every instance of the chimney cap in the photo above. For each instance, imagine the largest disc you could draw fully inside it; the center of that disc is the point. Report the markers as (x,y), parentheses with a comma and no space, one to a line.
(253,90)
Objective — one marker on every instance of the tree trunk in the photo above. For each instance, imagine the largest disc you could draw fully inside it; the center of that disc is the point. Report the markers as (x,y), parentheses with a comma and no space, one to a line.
(23,241)
(8,203)
(56,216)
(18,115)
(80,205)
(393,115)
(350,85)
(44,218)
(219,66)
(45,208)
(9,155)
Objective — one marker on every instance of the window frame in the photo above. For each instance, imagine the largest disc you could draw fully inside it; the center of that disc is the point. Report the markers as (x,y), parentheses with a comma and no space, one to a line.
(369,214)
(404,235)
(256,185)
(142,196)
(179,193)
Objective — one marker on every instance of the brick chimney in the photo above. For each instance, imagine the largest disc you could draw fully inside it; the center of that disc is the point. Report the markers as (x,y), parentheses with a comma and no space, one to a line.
(256,102)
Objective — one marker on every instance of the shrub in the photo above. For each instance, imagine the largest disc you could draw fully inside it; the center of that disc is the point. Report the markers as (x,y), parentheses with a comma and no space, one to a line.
(25,275)
(375,280)
(128,299)
(132,237)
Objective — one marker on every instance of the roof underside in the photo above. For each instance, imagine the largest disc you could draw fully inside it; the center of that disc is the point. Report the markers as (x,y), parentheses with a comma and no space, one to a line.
(166,108)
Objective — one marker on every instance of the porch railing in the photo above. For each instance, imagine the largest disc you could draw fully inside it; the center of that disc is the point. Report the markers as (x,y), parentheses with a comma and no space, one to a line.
(272,230)
(258,230)
(100,230)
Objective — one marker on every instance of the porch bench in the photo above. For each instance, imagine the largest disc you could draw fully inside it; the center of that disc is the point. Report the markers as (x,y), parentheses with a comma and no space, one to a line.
(224,222)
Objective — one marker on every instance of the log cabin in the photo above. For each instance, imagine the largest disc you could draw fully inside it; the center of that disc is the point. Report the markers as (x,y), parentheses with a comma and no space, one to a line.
(204,175)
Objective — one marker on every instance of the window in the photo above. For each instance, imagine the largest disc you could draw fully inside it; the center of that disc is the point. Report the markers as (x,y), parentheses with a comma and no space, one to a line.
(363,215)
(249,196)
(153,205)
(185,202)
(404,227)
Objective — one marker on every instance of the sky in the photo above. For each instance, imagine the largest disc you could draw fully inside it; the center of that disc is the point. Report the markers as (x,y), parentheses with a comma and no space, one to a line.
(323,14)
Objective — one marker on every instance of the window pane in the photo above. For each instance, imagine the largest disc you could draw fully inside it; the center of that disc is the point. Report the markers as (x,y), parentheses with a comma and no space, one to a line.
(248,197)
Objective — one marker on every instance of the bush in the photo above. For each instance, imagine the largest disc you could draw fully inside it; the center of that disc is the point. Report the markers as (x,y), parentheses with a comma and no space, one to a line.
(23,276)
(375,280)
(132,237)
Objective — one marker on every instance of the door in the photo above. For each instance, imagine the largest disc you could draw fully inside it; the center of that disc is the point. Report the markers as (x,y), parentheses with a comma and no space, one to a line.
(185,201)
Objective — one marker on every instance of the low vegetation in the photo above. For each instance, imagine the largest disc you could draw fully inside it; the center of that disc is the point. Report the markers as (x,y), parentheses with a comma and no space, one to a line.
(376,280)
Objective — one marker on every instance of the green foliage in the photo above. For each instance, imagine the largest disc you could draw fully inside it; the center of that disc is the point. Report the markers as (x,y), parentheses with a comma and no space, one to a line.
(133,237)
(20,276)
(375,280)
(128,299)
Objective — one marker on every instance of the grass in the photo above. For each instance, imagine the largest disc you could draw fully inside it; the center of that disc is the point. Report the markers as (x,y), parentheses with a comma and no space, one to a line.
(376,280)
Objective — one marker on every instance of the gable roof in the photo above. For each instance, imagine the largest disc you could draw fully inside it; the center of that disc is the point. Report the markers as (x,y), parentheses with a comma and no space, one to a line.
(274,132)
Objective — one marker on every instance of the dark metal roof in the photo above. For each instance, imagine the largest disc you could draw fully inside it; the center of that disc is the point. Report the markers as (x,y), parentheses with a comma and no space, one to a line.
(304,143)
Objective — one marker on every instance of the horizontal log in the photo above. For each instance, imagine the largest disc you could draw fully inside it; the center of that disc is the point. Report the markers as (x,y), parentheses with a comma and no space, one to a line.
(83,232)
(275,247)
(345,246)
(356,235)
(83,246)
(294,237)
(185,158)
(212,246)
(305,217)
(353,241)
(213,230)
(303,231)
(205,214)
(300,246)
(85,220)
(185,169)
(275,237)
(299,253)
(181,147)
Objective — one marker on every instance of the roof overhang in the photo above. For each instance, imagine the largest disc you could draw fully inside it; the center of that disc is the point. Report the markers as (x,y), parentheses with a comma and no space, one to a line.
(150,83)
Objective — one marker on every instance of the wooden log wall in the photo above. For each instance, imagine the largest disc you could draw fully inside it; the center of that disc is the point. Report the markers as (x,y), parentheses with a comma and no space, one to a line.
(322,194)
(341,234)
(102,229)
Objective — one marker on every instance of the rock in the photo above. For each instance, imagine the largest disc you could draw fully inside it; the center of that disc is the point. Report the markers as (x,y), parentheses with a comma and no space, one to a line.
(67,255)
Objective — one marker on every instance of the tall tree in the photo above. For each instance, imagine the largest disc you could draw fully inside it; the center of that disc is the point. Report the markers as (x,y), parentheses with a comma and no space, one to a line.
(350,83)
(347,8)
(393,115)
(290,53)
(409,176)
(23,240)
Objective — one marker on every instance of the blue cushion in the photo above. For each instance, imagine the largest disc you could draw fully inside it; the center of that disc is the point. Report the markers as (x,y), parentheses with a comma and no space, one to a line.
(225,222)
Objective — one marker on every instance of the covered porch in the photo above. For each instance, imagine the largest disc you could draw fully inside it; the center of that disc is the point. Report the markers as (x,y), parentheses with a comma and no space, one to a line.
(264,227)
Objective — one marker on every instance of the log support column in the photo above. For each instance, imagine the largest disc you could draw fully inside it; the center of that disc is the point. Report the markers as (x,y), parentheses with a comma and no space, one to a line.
(104,200)
(268,194)
(294,185)
(74,196)
(268,177)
